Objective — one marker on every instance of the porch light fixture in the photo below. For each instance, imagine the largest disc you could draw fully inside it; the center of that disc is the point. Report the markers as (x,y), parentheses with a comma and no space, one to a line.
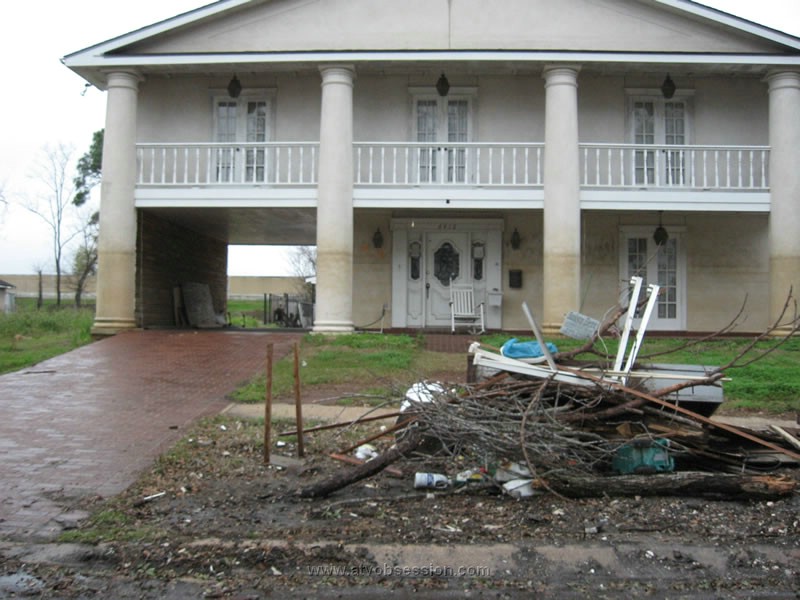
(668,87)
(234,87)
(442,86)
(516,240)
(660,235)
(377,238)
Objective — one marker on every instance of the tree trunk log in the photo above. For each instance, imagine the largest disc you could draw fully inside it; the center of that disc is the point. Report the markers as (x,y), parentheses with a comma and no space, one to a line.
(347,477)
(690,483)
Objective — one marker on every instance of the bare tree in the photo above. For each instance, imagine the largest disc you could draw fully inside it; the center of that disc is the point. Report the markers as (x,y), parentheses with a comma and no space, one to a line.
(84,259)
(55,199)
(303,262)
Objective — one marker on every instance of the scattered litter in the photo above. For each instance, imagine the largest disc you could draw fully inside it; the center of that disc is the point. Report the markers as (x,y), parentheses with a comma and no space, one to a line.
(420,393)
(154,496)
(470,476)
(508,471)
(431,480)
(513,348)
(519,488)
(366,452)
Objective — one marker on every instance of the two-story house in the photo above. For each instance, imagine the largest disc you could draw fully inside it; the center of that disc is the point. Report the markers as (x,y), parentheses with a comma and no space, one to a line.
(541,150)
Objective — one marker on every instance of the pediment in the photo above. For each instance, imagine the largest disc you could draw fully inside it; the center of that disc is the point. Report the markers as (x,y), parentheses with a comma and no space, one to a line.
(541,25)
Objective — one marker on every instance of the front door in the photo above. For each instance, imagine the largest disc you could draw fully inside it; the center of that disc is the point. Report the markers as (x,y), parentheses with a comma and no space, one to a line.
(664,265)
(428,253)
(452,256)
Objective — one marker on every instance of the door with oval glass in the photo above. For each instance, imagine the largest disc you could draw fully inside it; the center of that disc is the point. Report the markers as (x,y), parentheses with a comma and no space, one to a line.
(450,256)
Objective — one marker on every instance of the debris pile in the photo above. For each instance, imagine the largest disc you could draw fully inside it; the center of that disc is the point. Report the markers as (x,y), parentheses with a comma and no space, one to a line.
(612,427)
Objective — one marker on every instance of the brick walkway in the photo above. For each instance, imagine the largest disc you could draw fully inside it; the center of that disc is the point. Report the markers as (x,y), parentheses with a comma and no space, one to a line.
(87,422)
(446,342)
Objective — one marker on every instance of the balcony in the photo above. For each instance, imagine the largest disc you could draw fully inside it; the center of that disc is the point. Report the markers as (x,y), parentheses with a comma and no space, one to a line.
(505,173)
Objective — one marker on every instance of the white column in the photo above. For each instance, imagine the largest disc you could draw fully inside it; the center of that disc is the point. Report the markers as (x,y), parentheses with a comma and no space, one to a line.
(116,270)
(334,309)
(562,213)
(784,181)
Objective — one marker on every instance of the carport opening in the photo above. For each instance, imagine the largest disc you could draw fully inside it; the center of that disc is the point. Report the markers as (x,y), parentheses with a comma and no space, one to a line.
(271,286)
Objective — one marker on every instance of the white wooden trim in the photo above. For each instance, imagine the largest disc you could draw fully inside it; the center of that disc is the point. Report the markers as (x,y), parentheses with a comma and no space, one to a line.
(312,60)
(96,55)
(447,224)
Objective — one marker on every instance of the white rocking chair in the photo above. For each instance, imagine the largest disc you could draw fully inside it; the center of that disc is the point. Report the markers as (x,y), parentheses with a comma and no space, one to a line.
(463,307)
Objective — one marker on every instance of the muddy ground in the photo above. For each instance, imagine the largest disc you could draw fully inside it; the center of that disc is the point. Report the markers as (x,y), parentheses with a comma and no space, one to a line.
(211,520)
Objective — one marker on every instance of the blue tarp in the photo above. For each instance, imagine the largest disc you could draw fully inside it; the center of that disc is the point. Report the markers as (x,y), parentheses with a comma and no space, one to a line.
(513,348)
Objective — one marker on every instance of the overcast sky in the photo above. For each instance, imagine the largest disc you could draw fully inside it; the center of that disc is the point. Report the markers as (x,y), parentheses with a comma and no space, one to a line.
(46,103)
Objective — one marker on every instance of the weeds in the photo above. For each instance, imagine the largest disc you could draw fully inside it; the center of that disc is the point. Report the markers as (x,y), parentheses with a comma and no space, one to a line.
(29,336)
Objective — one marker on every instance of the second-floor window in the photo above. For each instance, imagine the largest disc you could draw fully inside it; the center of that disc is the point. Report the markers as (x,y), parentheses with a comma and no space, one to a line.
(659,125)
(241,125)
(442,127)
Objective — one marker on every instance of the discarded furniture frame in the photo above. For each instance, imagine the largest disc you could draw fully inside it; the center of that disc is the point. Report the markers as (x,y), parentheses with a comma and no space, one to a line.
(463,307)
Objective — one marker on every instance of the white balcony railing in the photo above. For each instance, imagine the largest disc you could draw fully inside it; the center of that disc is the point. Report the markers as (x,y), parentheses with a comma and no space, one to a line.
(450,164)
(497,165)
(692,167)
(258,163)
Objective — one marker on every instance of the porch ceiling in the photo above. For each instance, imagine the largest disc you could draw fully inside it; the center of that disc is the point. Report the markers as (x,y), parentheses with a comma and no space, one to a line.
(246,226)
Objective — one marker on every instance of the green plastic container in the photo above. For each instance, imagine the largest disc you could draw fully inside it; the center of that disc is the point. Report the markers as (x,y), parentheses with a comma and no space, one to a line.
(643,457)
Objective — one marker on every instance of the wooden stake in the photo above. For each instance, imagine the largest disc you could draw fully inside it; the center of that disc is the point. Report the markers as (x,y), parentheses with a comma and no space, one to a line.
(298,404)
(268,407)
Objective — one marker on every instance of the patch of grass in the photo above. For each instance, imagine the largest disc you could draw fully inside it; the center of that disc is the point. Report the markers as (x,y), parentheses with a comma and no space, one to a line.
(357,359)
(109,524)
(248,314)
(29,336)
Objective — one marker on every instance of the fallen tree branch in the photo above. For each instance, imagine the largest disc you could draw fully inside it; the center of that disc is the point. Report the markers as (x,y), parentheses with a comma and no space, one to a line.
(347,477)
(687,483)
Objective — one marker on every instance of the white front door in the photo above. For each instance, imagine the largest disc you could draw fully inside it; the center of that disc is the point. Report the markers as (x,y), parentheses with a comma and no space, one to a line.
(428,253)
(664,265)
(446,260)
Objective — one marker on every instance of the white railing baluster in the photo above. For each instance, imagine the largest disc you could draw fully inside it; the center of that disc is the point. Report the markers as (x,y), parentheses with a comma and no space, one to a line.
(454,164)
(740,169)
(527,164)
(539,178)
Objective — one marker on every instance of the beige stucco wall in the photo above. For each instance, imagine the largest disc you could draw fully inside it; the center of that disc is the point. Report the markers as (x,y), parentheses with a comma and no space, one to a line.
(506,108)
(256,287)
(372,269)
(622,25)
(727,260)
